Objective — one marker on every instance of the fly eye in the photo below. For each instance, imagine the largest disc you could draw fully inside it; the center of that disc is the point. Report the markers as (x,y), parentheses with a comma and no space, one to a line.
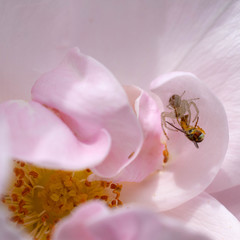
(201,137)
(191,131)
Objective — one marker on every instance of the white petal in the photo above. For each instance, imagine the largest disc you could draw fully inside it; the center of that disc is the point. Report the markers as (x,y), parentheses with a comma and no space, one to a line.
(189,170)
(137,40)
(215,60)
(9,231)
(230,199)
(5,161)
(205,214)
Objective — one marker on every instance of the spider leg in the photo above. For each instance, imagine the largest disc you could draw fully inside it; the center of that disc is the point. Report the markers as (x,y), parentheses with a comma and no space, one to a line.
(164,125)
(186,107)
(196,109)
(164,131)
(182,94)
(168,115)
(196,122)
(192,99)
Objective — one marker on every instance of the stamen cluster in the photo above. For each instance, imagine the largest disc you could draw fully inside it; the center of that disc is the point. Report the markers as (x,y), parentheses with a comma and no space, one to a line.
(38,197)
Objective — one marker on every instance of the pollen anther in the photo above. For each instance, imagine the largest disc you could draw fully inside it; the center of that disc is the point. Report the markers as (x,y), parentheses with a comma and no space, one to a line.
(38,198)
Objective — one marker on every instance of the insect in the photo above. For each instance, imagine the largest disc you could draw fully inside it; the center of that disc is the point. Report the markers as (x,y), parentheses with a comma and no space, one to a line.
(193,133)
(179,108)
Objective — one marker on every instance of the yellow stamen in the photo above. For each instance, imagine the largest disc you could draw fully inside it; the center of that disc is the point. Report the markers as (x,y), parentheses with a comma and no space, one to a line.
(165,154)
(38,197)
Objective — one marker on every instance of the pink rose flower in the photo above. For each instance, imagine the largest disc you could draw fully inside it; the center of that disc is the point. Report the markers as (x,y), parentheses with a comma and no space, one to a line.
(199,38)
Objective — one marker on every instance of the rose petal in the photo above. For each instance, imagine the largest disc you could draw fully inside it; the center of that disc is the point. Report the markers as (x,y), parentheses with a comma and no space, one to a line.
(215,60)
(206,161)
(77,222)
(184,25)
(35,36)
(8,230)
(133,93)
(150,157)
(129,224)
(189,170)
(140,225)
(230,199)
(5,162)
(42,32)
(39,136)
(88,97)
(205,214)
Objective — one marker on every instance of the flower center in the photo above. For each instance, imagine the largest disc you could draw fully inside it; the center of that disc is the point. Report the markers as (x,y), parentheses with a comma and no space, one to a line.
(38,197)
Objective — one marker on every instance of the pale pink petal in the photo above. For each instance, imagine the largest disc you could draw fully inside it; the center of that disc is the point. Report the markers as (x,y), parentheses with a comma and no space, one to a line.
(133,92)
(36,34)
(189,170)
(150,158)
(37,135)
(5,160)
(76,225)
(183,25)
(141,225)
(9,231)
(205,214)
(127,224)
(230,198)
(88,97)
(34,38)
(215,58)
(206,161)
